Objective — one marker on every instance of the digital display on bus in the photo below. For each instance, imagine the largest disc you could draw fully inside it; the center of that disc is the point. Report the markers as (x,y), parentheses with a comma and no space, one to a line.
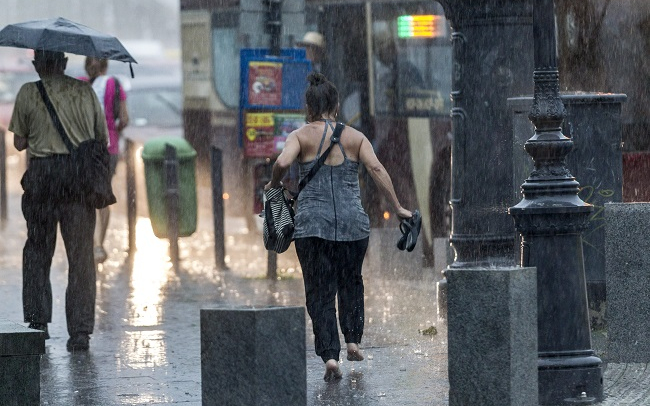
(421,26)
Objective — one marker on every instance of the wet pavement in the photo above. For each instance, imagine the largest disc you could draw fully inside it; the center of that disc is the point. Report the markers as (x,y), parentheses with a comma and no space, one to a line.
(146,345)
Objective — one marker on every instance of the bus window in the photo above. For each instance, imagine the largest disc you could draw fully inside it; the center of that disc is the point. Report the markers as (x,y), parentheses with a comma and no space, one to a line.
(226,57)
(411,59)
(226,65)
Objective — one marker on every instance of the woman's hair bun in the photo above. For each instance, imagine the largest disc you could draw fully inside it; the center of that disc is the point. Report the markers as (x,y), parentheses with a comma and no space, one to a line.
(316,79)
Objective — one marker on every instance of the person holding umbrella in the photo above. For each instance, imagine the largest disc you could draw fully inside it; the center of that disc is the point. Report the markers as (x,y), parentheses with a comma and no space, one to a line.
(50,197)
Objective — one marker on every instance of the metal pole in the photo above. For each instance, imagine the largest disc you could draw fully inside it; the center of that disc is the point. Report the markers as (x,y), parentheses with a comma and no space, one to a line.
(272,265)
(131,193)
(172,199)
(551,218)
(274,25)
(272,256)
(217,208)
(3,176)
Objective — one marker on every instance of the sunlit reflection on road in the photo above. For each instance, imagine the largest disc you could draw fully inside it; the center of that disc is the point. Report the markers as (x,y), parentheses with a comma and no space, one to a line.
(144,349)
(151,268)
(151,272)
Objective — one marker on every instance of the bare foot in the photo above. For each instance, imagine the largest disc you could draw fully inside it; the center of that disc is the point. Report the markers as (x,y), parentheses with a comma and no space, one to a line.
(354,354)
(332,371)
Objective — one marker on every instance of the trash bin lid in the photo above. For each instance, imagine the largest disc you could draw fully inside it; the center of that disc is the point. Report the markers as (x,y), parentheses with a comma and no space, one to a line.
(155,149)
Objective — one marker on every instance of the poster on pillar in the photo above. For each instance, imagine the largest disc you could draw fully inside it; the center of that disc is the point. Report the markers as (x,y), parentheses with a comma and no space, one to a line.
(271,99)
(265,83)
(266,132)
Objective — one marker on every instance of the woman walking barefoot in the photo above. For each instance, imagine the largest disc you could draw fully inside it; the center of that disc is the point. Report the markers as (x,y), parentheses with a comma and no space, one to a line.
(331,227)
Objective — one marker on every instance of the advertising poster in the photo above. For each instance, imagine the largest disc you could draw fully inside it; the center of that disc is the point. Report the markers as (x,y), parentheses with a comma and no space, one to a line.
(265,83)
(259,132)
(266,132)
(285,124)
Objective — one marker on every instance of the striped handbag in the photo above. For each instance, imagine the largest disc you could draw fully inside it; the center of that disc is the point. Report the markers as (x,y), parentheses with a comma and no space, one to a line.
(278,220)
(278,214)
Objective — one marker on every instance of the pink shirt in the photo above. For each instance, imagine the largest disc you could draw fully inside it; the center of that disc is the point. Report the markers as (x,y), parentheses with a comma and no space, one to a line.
(107,105)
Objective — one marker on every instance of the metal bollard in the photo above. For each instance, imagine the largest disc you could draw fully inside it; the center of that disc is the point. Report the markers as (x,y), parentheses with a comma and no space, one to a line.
(131,193)
(217,208)
(272,256)
(272,265)
(172,199)
(3,177)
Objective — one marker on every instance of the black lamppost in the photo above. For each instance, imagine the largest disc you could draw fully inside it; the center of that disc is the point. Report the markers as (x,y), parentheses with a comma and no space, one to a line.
(492,61)
(550,219)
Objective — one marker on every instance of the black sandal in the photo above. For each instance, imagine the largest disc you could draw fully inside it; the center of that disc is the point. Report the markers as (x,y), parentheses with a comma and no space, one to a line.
(410,229)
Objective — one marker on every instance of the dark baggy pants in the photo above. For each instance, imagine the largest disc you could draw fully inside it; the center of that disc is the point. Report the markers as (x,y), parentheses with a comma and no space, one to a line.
(77,222)
(331,267)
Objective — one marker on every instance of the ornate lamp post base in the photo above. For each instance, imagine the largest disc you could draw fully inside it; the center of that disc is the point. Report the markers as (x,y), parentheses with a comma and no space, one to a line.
(553,388)
(567,366)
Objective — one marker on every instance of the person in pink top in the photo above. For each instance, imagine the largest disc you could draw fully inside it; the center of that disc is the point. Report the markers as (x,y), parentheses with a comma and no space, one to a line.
(112,97)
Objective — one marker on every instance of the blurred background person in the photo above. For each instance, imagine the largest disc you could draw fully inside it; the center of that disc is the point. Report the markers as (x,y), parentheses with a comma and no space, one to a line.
(112,97)
(396,75)
(314,45)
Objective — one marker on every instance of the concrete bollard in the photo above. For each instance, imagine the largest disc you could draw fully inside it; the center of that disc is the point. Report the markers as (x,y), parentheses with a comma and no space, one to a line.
(492,335)
(253,356)
(20,369)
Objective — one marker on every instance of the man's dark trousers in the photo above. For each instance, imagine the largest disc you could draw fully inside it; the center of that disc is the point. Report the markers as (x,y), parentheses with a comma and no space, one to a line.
(77,222)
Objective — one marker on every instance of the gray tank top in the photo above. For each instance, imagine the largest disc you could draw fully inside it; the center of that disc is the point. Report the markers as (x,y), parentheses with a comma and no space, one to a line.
(329,207)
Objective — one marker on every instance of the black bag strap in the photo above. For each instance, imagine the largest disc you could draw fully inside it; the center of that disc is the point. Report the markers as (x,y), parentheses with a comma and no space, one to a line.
(55,118)
(336,137)
(116,98)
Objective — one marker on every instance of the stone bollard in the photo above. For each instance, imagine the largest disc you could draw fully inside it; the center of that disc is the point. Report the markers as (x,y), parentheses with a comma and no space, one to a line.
(20,369)
(628,282)
(253,356)
(492,335)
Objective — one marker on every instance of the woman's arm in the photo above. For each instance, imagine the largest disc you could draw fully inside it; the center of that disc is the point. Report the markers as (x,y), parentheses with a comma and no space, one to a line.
(380,176)
(283,162)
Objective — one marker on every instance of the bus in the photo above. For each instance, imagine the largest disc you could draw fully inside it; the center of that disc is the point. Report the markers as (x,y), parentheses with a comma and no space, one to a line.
(391,62)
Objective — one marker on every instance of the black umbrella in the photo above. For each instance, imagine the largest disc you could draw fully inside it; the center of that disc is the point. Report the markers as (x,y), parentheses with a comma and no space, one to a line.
(59,34)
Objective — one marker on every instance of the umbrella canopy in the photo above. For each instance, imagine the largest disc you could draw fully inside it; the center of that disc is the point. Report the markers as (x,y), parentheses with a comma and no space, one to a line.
(59,34)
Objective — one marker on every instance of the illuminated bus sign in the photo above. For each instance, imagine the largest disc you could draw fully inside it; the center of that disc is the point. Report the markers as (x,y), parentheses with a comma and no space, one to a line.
(421,26)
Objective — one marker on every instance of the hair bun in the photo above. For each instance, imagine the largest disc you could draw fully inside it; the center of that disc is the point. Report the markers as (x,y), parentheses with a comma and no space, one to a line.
(316,79)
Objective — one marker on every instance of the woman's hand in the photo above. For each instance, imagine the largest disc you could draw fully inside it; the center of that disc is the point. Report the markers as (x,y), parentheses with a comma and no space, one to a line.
(402,213)
(268,186)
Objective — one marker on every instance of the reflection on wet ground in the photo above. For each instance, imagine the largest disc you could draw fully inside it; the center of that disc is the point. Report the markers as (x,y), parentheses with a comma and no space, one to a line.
(146,345)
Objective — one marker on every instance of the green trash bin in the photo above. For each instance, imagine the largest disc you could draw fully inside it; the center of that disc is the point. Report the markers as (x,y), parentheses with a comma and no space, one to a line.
(153,156)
